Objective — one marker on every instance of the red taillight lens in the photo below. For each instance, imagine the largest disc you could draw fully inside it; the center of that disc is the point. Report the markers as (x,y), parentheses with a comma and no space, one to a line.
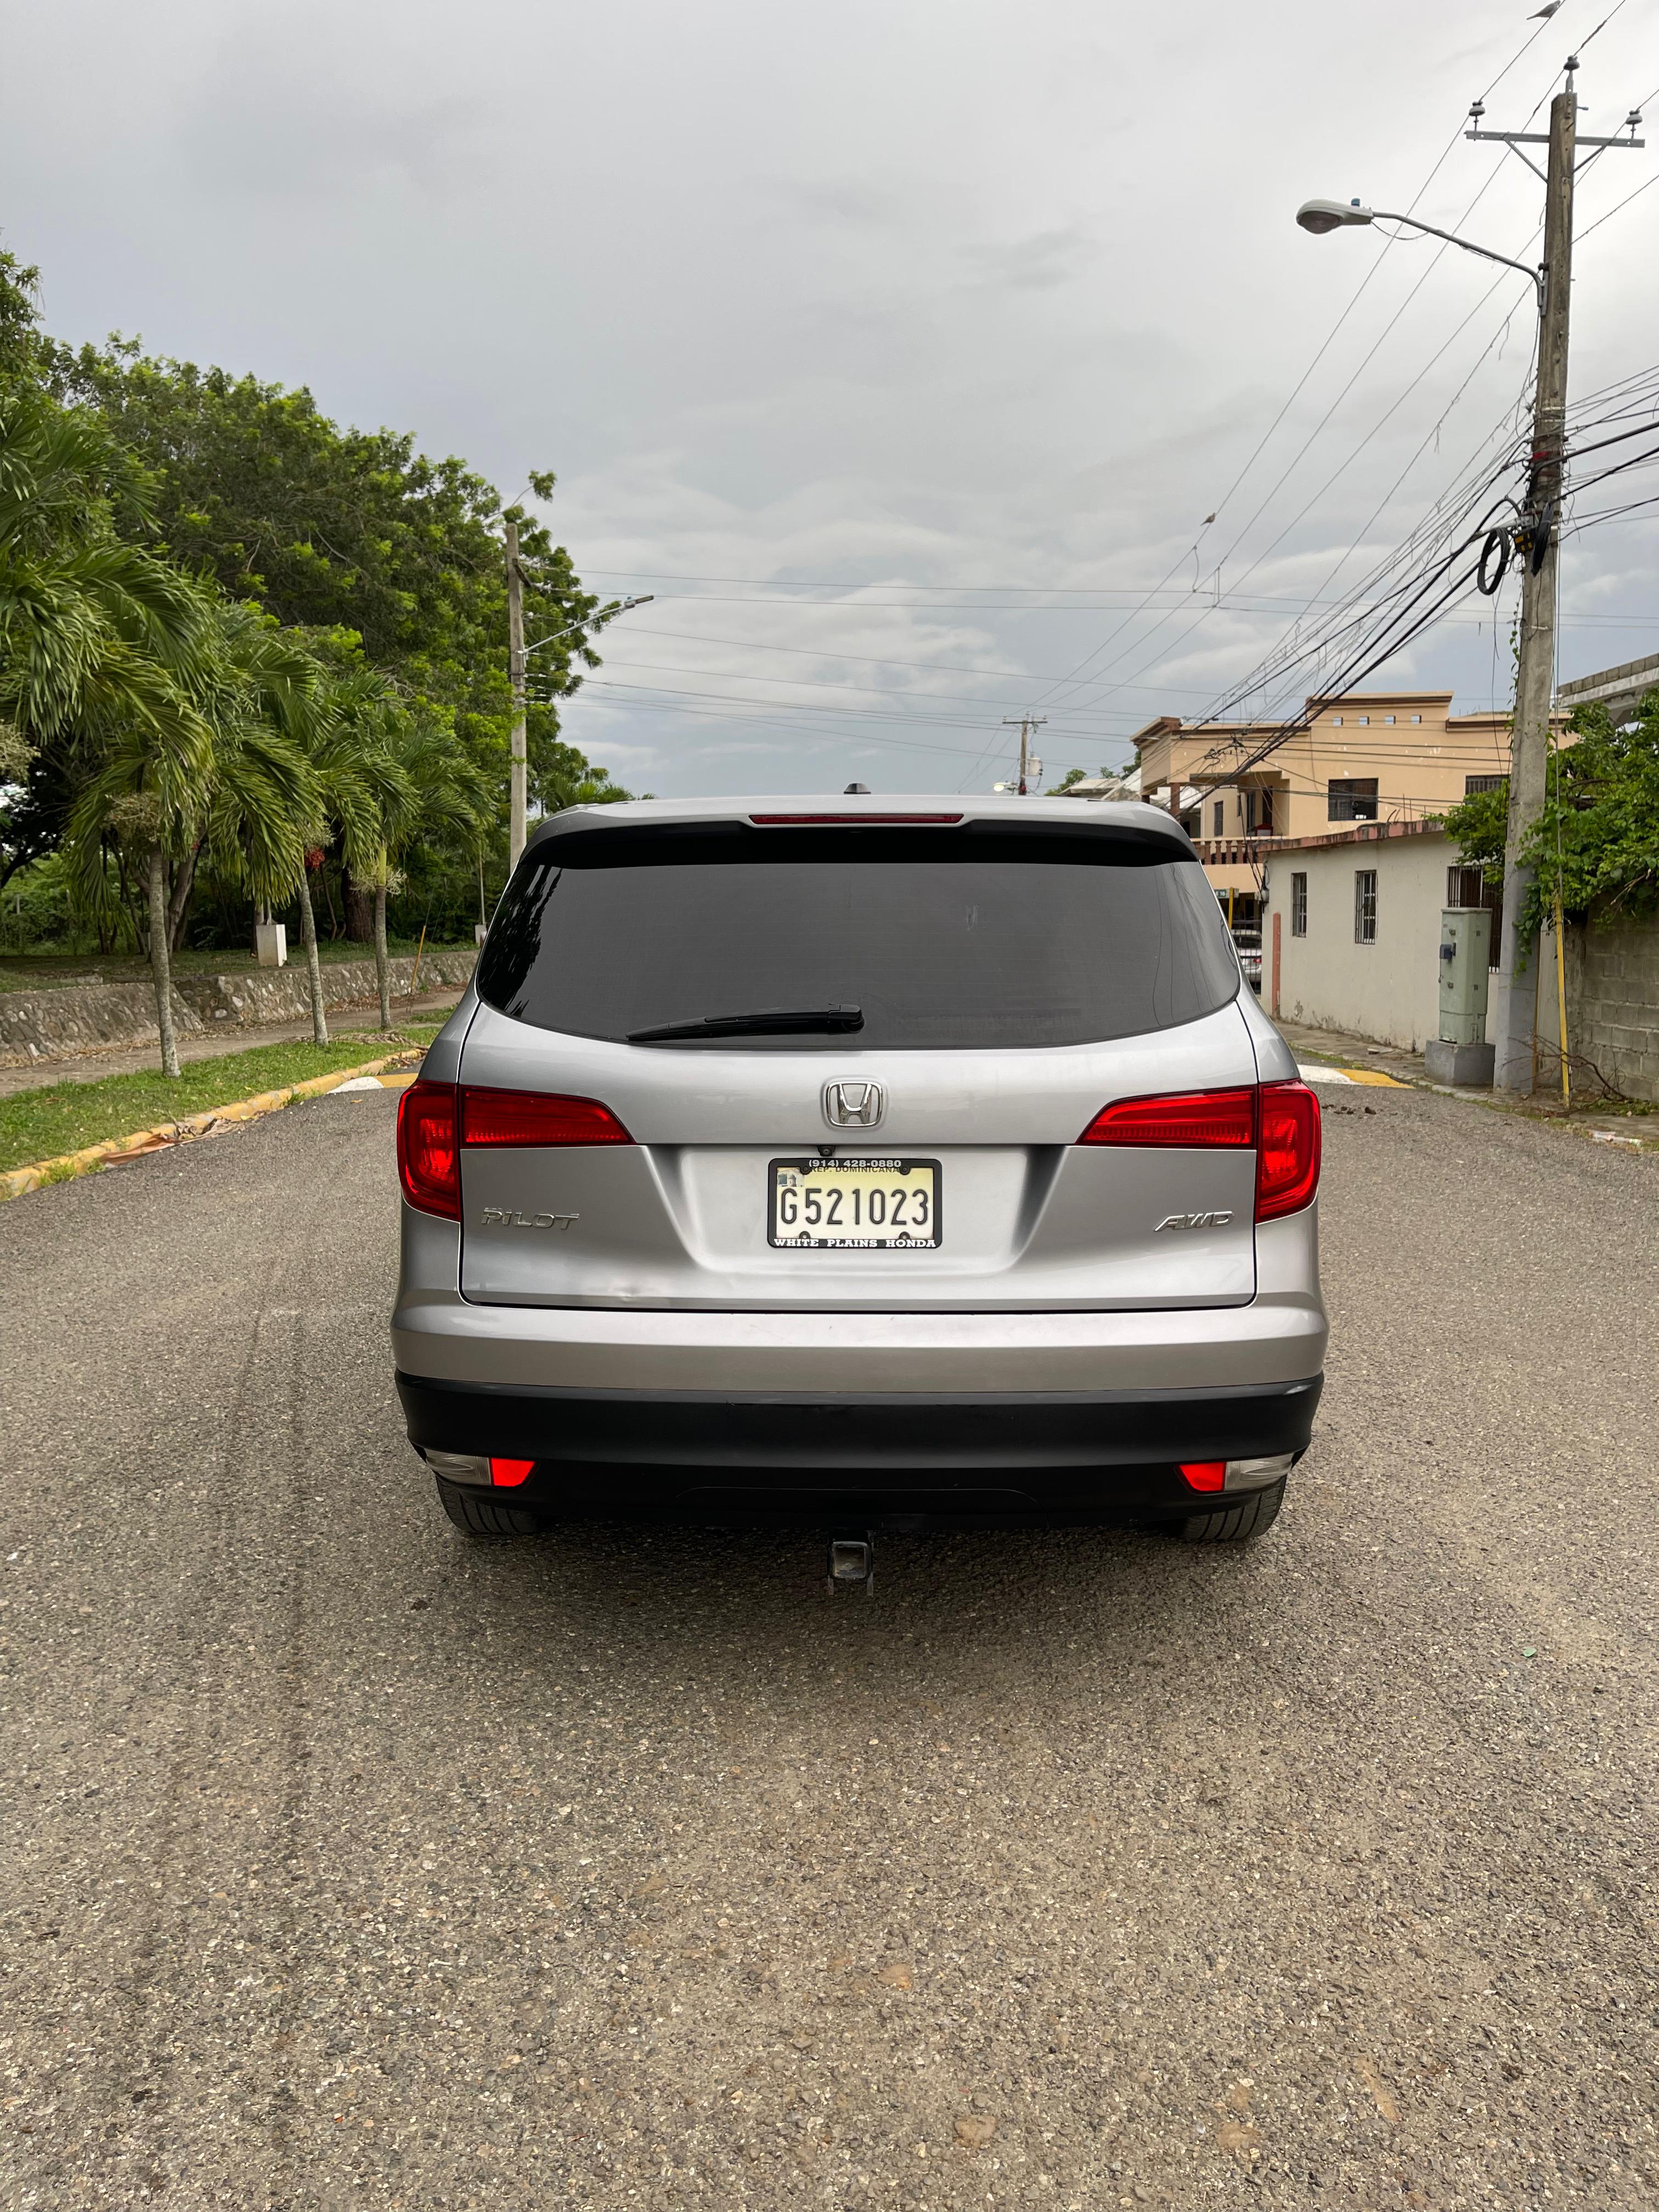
(1205,1474)
(1281,1119)
(1201,1117)
(1287,1157)
(509,1474)
(536,1117)
(429,1163)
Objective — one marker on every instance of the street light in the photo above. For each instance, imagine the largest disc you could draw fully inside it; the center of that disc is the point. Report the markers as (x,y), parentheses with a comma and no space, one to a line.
(617,607)
(1320,216)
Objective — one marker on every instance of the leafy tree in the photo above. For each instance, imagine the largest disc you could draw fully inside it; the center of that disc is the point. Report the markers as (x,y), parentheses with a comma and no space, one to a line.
(1597,838)
(20,315)
(1479,827)
(327,529)
(561,776)
(235,638)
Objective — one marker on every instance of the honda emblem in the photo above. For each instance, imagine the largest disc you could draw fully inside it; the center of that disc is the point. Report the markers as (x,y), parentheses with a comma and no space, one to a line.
(853,1105)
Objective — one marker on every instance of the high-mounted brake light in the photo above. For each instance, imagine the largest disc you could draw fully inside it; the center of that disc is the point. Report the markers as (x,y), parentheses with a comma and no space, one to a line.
(1189,1118)
(1288,1149)
(428,1161)
(535,1117)
(788,821)
(1280,1119)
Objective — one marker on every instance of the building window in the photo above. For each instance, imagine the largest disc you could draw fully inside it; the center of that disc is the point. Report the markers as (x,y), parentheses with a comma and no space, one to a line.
(1365,906)
(1417,718)
(1353,798)
(1336,722)
(1299,904)
(1474,783)
(1388,718)
(1220,816)
(1362,719)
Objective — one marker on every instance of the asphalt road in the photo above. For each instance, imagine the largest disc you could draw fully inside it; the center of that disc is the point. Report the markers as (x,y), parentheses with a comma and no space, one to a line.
(348,1864)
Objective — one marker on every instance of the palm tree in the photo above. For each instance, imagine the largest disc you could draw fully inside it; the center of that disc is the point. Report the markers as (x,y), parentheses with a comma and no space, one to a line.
(431,790)
(357,780)
(242,799)
(101,646)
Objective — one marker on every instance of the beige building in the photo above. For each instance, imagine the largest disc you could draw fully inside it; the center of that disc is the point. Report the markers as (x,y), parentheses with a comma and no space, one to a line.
(1371,757)
(1351,929)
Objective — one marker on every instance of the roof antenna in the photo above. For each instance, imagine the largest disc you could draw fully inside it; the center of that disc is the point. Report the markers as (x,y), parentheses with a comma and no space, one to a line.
(856,791)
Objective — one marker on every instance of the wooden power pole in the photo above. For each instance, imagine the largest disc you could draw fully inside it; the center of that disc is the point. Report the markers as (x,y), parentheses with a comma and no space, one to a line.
(1024,724)
(518,796)
(1516,1053)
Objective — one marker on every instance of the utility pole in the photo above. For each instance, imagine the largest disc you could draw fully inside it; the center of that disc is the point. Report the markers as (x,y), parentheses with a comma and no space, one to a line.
(1537,541)
(1024,724)
(519,795)
(1516,1050)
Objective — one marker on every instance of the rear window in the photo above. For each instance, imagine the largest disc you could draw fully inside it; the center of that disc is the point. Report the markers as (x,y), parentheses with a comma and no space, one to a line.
(945,940)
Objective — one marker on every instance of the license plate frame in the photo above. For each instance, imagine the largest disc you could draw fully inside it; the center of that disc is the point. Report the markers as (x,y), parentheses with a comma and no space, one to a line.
(876,1166)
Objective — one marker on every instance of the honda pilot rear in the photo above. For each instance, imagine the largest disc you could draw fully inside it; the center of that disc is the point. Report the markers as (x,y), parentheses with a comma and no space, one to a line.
(806,1159)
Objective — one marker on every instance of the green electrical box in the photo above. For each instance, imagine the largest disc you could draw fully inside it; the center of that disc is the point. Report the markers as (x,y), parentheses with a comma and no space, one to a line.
(1461,1054)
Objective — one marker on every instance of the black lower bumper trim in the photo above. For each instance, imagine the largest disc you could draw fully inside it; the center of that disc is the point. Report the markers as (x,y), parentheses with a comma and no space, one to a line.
(614,1450)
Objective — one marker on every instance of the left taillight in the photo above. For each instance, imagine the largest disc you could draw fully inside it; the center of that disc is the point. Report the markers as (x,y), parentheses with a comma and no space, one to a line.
(428,1152)
(434,1119)
(489,1116)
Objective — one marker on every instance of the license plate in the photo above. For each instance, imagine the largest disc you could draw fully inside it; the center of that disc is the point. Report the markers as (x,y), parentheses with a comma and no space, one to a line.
(890,1206)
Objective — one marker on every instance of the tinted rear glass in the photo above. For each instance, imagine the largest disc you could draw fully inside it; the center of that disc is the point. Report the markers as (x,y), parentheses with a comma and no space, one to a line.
(945,941)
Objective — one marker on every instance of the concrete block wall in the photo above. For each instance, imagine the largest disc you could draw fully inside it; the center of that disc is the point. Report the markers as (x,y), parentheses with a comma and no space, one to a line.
(1612,1003)
(37,1025)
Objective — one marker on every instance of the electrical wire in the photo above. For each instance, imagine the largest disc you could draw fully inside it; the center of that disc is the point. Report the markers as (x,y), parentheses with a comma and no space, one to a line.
(1097,699)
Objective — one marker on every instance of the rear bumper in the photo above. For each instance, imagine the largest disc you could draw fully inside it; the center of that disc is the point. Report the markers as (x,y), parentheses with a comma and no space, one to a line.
(1080,1456)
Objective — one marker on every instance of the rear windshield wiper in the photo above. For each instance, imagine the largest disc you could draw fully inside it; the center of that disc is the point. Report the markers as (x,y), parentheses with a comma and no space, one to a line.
(771,1021)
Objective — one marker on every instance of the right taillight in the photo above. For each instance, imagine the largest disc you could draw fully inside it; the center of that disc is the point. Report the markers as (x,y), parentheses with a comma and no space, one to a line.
(1195,1118)
(428,1156)
(1280,1119)
(1287,1150)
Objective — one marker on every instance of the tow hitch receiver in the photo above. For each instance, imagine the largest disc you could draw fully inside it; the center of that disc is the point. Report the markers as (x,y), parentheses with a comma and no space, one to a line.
(852,1562)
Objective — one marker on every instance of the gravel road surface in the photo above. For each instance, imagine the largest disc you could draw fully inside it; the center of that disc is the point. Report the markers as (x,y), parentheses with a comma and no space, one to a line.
(345,1863)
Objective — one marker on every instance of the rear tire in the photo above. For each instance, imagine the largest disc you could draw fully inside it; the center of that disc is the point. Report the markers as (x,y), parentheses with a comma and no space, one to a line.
(477,1513)
(1250,1517)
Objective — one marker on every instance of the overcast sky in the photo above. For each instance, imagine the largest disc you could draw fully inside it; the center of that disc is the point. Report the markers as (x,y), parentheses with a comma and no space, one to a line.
(958,318)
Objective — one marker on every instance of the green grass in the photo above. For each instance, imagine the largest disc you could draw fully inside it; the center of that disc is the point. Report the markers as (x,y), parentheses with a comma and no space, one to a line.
(48,971)
(63,1117)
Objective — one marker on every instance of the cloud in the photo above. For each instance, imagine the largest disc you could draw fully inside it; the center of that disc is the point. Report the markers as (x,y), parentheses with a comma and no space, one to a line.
(952,316)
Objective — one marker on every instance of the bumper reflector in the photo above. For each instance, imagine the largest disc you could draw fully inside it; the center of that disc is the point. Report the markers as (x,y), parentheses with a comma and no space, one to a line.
(1235,1473)
(1205,1474)
(1257,1473)
(509,1474)
(457,1466)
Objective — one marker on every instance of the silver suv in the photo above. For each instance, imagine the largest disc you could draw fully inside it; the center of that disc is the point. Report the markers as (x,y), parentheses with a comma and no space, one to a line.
(850,1160)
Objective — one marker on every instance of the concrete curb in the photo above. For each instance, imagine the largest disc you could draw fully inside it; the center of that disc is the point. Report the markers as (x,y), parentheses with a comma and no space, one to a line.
(91,1158)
